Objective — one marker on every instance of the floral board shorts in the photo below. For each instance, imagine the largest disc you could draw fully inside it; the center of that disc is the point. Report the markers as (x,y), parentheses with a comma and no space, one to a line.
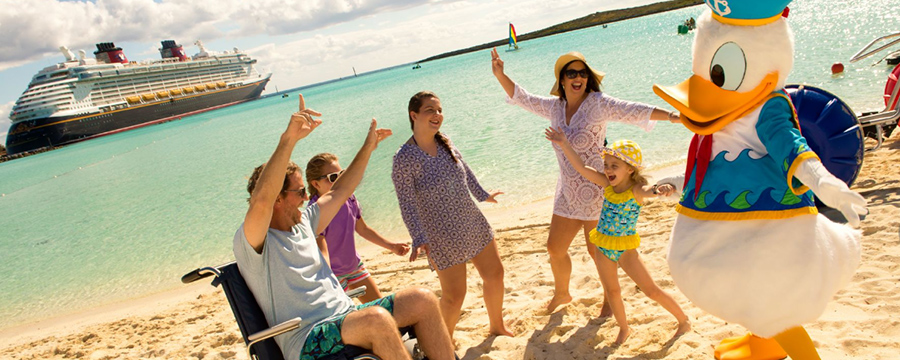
(325,338)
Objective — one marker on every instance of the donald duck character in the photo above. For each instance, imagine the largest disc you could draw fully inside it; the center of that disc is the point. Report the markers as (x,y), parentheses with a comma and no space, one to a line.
(748,244)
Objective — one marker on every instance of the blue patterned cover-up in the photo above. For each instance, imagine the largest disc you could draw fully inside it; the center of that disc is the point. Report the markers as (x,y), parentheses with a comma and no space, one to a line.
(433,192)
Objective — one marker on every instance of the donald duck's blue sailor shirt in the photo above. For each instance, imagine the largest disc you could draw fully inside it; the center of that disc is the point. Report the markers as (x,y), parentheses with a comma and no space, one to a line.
(751,172)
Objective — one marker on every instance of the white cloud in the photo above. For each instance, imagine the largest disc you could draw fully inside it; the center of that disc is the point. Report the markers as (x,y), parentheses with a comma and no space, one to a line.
(437,28)
(34,29)
(384,33)
(4,120)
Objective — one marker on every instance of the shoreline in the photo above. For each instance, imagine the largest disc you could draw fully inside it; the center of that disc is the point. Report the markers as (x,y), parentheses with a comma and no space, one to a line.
(504,220)
(195,321)
(595,19)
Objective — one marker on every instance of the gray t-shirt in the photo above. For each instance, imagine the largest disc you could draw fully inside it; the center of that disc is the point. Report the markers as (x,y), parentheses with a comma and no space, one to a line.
(291,279)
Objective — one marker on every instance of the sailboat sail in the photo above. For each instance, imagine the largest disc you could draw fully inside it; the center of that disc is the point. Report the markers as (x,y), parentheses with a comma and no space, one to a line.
(512,36)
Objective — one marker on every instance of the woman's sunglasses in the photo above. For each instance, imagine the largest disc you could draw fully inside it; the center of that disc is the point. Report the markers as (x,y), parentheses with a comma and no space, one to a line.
(571,73)
(332,177)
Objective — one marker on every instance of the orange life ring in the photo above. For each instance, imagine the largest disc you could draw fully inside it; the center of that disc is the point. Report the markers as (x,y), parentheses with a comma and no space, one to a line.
(889,88)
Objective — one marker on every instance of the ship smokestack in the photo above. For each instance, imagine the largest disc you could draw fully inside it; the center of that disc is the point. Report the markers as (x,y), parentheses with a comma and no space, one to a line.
(109,53)
(170,49)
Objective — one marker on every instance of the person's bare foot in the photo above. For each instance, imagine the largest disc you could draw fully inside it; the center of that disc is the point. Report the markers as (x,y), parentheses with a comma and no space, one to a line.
(502,331)
(605,311)
(624,333)
(683,328)
(557,301)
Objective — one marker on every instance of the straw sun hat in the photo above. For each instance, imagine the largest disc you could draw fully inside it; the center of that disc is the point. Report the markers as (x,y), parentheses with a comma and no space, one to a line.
(567,58)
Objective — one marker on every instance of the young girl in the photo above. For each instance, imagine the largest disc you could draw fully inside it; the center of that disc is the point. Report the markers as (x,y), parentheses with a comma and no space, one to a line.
(434,188)
(337,242)
(616,237)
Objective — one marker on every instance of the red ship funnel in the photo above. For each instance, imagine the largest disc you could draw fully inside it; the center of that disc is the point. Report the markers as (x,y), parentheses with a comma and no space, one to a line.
(109,53)
(170,49)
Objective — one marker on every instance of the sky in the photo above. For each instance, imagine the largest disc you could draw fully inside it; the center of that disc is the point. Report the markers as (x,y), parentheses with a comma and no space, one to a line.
(301,42)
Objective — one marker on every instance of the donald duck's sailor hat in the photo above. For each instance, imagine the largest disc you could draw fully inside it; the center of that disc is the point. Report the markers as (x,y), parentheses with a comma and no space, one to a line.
(747,12)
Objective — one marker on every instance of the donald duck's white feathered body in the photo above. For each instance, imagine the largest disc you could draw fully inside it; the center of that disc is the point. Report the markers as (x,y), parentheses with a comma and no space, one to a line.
(748,245)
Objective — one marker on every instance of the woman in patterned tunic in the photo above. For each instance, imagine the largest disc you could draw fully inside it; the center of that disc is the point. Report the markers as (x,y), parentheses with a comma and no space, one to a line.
(581,110)
(433,185)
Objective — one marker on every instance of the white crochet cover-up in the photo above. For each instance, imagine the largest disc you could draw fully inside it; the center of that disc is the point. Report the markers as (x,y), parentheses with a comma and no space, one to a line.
(577,197)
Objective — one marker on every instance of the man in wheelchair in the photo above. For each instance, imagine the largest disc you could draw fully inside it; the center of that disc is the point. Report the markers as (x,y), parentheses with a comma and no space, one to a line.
(276,252)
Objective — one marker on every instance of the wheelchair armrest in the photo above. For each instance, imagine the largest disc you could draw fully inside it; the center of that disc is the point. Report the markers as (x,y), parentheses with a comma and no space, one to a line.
(355,293)
(199,273)
(276,330)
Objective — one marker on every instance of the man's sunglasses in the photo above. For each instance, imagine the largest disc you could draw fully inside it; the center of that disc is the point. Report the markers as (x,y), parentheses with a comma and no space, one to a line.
(301,192)
(332,177)
(571,73)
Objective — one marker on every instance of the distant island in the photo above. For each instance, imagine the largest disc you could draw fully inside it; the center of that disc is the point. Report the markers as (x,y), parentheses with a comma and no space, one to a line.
(598,18)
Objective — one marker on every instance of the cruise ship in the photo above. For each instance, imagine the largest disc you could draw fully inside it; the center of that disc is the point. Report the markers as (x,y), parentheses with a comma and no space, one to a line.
(83,98)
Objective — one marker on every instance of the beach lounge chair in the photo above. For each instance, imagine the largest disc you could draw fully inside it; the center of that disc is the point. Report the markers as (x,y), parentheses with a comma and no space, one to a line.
(257,334)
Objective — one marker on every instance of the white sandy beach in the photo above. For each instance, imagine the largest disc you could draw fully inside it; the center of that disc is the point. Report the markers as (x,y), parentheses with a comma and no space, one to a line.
(196,323)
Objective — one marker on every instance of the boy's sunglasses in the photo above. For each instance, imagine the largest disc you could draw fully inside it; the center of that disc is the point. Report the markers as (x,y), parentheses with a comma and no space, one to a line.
(571,74)
(332,177)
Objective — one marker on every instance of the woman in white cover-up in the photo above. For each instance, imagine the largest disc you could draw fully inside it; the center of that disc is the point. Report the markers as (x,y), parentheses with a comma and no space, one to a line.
(581,111)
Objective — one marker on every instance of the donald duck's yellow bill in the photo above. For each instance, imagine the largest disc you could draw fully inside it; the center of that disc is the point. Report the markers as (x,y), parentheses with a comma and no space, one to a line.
(706,108)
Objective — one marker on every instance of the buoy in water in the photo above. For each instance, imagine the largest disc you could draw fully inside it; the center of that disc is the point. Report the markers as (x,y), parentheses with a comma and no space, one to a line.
(837,68)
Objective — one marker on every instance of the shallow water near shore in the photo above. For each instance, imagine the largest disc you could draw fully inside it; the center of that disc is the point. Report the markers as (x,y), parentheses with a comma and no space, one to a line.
(126,215)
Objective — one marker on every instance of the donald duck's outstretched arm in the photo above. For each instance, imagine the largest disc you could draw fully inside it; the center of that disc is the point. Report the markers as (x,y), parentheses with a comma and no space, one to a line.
(831,190)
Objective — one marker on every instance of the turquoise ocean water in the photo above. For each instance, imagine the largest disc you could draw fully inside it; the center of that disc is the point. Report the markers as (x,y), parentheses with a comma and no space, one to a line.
(126,215)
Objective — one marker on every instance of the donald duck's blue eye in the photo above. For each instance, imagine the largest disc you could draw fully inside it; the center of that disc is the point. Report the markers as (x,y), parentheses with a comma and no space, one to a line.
(728,66)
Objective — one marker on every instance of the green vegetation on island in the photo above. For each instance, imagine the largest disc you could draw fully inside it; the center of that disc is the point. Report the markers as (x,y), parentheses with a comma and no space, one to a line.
(598,18)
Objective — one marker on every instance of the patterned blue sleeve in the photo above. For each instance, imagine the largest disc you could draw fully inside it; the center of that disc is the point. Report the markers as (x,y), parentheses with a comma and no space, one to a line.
(471,180)
(782,140)
(404,184)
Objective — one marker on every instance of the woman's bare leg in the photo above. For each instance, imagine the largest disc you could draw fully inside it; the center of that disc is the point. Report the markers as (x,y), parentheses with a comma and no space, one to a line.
(453,293)
(488,264)
(562,232)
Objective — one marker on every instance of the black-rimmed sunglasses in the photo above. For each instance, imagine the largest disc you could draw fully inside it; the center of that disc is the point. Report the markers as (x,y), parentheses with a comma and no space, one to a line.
(301,192)
(572,73)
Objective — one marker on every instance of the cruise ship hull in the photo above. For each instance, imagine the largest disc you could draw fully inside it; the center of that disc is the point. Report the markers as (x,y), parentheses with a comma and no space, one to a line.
(57,131)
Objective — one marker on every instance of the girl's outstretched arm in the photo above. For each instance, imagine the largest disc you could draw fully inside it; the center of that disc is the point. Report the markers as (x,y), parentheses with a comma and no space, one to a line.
(559,138)
(374,237)
(642,192)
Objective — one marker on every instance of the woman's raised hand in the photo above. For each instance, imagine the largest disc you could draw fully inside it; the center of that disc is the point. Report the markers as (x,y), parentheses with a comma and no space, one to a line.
(496,63)
(555,135)
(302,122)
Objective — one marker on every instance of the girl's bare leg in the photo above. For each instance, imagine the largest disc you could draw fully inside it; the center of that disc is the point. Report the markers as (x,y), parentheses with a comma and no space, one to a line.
(634,267)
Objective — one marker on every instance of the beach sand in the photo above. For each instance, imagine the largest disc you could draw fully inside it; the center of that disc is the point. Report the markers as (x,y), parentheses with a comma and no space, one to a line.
(196,322)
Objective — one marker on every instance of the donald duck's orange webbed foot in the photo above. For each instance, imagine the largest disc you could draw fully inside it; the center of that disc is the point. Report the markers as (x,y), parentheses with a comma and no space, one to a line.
(749,347)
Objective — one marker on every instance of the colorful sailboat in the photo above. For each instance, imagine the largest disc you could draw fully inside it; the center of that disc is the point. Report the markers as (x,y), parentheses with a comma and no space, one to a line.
(513,45)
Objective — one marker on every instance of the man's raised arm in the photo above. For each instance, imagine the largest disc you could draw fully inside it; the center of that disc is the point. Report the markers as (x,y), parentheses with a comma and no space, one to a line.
(262,200)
